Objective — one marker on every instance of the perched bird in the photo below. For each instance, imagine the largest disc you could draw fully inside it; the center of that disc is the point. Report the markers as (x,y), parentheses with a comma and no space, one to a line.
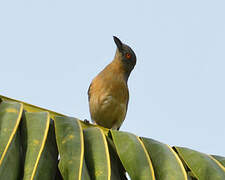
(108,93)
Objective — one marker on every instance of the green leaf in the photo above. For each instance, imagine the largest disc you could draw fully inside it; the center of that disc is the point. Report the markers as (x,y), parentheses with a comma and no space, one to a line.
(166,162)
(97,154)
(31,108)
(133,155)
(32,146)
(10,156)
(117,169)
(40,156)
(220,159)
(201,165)
(70,140)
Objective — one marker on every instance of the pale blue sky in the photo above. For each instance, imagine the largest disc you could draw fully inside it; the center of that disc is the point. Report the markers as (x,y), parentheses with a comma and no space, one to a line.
(50,51)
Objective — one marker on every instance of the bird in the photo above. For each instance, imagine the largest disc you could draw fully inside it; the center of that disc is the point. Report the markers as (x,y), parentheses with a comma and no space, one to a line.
(108,93)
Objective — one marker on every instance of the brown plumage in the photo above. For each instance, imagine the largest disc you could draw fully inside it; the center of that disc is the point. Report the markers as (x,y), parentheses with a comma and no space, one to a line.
(108,93)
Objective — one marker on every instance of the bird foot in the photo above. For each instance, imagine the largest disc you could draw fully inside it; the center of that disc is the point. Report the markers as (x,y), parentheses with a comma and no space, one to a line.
(86,121)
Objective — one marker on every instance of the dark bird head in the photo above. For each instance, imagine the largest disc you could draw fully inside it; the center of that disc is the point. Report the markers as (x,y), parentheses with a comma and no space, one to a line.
(125,54)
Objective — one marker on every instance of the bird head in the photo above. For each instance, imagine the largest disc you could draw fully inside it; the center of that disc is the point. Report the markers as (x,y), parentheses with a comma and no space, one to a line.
(125,54)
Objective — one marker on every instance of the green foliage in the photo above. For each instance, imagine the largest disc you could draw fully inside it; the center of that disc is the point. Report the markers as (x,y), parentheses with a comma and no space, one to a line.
(36,143)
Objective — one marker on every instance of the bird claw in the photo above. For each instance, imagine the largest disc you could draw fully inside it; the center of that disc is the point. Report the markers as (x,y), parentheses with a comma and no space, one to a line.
(86,121)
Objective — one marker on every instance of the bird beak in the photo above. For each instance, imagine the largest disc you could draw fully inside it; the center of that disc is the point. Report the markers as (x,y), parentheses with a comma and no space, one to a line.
(119,44)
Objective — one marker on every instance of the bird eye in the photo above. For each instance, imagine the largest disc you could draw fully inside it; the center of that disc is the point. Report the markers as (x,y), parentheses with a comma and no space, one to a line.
(128,55)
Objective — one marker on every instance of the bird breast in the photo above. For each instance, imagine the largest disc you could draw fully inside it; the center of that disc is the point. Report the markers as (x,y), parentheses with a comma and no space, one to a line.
(108,103)
(111,103)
